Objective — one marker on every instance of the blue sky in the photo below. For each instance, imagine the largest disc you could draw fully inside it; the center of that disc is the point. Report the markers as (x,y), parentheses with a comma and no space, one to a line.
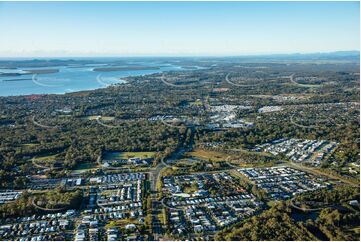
(176,28)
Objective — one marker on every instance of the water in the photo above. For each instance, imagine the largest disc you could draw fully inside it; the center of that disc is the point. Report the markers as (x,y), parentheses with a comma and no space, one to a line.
(69,79)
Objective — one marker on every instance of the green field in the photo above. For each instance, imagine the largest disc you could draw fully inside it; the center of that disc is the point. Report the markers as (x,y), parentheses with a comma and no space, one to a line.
(198,102)
(94,117)
(84,167)
(208,155)
(127,155)
(46,158)
(307,85)
(29,144)
(310,85)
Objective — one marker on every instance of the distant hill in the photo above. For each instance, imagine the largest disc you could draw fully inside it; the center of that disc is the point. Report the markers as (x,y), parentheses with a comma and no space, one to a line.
(353,56)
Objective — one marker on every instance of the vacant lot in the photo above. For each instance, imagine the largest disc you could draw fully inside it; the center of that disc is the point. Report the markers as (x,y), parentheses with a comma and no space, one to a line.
(81,168)
(46,158)
(208,155)
(127,155)
(94,117)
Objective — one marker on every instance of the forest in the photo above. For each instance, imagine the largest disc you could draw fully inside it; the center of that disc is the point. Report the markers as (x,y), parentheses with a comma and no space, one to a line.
(280,222)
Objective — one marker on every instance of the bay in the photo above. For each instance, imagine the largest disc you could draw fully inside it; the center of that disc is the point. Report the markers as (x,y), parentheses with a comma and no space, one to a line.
(71,78)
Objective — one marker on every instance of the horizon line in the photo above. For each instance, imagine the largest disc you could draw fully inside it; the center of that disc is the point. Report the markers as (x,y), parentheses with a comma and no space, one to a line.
(180,55)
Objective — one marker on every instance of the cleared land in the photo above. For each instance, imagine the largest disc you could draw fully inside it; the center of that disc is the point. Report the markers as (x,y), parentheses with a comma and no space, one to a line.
(208,155)
(127,155)
(94,117)
(46,158)
(84,168)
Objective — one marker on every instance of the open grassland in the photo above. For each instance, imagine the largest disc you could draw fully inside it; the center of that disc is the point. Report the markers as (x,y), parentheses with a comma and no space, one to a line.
(127,155)
(208,155)
(84,167)
(29,145)
(46,158)
(94,117)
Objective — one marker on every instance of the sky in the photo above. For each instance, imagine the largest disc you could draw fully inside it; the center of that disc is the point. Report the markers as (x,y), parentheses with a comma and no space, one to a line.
(57,29)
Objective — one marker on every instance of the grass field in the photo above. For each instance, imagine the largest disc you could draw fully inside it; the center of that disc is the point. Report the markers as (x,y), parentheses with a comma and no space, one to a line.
(84,167)
(251,152)
(122,222)
(307,85)
(127,155)
(216,156)
(94,117)
(29,145)
(310,85)
(198,102)
(190,189)
(46,158)
(208,155)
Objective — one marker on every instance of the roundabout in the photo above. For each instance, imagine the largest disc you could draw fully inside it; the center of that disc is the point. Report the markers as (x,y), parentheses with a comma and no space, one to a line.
(292,203)
(33,202)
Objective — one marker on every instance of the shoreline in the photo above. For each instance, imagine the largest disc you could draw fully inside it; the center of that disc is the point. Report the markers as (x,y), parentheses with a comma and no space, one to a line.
(119,80)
